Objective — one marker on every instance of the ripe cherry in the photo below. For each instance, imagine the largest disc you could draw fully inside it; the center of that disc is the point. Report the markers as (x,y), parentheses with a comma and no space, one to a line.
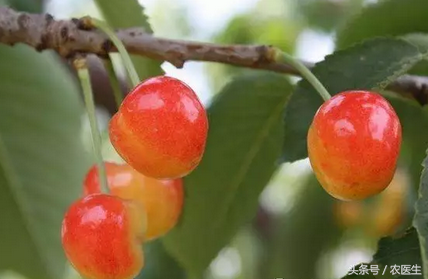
(102,236)
(161,128)
(161,199)
(353,144)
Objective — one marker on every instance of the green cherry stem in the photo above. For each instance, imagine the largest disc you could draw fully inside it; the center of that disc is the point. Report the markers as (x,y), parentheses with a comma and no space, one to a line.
(129,66)
(114,81)
(281,56)
(83,73)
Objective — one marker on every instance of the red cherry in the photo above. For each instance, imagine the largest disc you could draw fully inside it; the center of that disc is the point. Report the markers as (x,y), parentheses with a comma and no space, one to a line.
(161,199)
(102,235)
(353,144)
(161,128)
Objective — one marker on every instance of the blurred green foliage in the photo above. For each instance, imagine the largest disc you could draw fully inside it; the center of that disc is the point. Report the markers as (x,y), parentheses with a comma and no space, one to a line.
(233,173)
(135,17)
(43,159)
(294,243)
(252,29)
(327,15)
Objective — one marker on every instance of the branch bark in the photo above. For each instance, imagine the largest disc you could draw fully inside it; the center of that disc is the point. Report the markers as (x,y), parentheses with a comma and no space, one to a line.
(71,37)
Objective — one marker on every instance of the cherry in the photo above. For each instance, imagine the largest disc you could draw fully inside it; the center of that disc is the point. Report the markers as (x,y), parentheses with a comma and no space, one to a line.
(101,236)
(161,128)
(161,199)
(353,144)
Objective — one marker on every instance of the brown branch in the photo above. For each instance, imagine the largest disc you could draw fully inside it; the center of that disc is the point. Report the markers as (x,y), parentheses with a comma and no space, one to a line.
(69,37)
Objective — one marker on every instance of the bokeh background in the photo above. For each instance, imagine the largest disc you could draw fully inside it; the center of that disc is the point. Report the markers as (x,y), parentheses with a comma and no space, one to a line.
(299,231)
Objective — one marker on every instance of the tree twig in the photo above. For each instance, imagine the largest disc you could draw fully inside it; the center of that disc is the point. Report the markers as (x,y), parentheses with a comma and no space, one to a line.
(77,36)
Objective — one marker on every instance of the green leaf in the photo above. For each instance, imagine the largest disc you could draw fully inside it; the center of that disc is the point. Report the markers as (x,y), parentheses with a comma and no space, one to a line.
(421,216)
(420,40)
(386,18)
(310,221)
(42,160)
(125,14)
(415,135)
(159,264)
(242,153)
(399,251)
(326,15)
(370,65)
(30,6)
(395,253)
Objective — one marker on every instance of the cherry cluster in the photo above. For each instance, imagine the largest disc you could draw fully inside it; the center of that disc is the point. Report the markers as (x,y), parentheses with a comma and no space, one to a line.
(160,131)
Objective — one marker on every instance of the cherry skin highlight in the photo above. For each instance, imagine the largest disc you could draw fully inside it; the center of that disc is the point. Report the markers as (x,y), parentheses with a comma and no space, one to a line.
(353,144)
(102,236)
(162,199)
(160,128)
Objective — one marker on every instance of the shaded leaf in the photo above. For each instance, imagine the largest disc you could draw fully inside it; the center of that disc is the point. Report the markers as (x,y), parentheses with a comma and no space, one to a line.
(400,251)
(386,18)
(159,264)
(310,221)
(415,135)
(243,148)
(371,65)
(327,15)
(421,216)
(30,6)
(42,160)
(129,13)
(392,255)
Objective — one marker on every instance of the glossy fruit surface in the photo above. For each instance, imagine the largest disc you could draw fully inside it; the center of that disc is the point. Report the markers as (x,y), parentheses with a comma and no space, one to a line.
(102,236)
(161,199)
(353,144)
(161,128)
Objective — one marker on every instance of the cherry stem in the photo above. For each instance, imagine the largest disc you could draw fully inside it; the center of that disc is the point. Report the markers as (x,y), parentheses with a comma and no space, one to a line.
(85,81)
(129,66)
(304,71)
(114,81)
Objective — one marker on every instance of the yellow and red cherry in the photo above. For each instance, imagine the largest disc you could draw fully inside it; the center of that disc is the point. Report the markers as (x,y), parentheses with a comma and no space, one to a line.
(102,236)
(353,144)
(162,199)
(160,128)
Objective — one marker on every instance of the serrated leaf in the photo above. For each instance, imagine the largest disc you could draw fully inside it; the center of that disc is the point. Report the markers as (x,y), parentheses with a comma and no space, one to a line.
(386,18)
(420,220)
(403,250)
(420,40)
(395,257)
(243,148)
(129,13)
(370,65)
(42,160)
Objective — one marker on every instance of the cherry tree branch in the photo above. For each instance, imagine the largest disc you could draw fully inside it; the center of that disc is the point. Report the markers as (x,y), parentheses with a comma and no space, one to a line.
(77,36)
